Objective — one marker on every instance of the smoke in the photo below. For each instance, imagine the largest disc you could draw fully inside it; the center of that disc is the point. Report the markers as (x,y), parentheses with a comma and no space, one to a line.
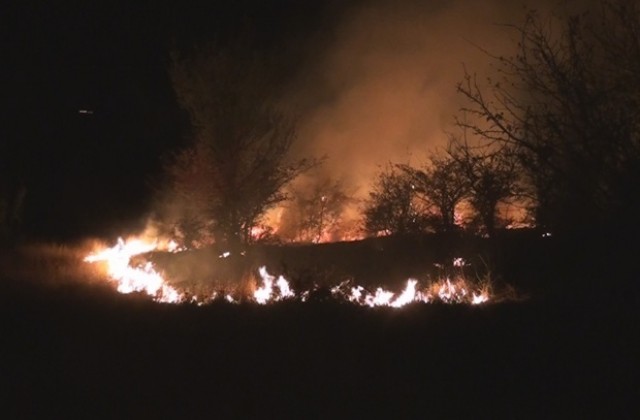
(382,85)
(374,81)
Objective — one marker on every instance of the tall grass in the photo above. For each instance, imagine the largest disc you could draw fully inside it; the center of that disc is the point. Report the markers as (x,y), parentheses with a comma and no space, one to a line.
(45,268)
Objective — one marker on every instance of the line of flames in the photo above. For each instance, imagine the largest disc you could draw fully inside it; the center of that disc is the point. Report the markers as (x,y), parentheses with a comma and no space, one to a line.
(146,279)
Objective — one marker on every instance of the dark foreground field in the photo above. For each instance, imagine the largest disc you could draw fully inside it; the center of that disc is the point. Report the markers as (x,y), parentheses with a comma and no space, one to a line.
(123,358)
(85,352)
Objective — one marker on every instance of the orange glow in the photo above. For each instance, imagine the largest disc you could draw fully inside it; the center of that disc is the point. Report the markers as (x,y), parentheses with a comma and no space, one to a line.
(443,291)
(144,278)
(130,278)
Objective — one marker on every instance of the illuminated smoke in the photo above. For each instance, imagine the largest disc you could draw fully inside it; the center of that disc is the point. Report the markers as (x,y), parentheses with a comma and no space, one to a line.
(379,84)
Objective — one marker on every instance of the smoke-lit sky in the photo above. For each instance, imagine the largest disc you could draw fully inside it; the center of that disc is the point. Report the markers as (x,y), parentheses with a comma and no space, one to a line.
(372,82)
(383,87)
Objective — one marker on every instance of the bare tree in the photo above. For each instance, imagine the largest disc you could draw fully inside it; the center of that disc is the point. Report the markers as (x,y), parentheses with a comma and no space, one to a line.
(442,185)
(236,167)
(392,207)
(568,107)
(491,177)
(316,210)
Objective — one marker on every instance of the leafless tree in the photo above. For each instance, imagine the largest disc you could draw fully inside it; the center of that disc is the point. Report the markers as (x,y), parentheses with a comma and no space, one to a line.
(392,207)
(236,166)
(491,177)
(316,210)
(442,185)
(567,105)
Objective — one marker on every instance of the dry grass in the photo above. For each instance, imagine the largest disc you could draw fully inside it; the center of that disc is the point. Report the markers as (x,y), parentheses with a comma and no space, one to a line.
(51,265)
(204,276)
(208,291)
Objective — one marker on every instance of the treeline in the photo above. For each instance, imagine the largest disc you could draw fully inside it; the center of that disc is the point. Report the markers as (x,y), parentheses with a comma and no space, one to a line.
(556,132)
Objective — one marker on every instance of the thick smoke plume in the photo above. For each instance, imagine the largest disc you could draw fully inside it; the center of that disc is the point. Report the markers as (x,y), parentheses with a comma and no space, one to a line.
(373,82)
(382,86)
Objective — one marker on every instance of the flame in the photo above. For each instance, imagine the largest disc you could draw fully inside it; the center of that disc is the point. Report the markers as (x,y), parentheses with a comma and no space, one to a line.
(408,295)
(444,291)
(172,246)
(266,294)
(477,299)
(135,279)
(146,279)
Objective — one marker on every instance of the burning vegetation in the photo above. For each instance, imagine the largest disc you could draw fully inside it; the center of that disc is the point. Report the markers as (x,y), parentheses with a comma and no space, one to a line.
(129,275)
(565,164)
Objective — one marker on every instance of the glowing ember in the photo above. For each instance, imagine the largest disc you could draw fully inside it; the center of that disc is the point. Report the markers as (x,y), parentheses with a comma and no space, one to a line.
(172,246)
(479,298)
(450,293)
(459,262)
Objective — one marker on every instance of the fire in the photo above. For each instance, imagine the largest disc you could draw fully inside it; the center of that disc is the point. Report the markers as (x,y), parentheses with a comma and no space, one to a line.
(266,294)
(444,291)
(146,279)
(408,295)
(135,279)
(477,299)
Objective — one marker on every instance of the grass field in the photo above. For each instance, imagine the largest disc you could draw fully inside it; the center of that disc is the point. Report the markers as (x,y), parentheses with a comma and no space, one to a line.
(73,347)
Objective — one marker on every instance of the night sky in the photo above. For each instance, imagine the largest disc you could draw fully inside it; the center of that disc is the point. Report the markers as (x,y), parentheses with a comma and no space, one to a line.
(90,173)
(372,81)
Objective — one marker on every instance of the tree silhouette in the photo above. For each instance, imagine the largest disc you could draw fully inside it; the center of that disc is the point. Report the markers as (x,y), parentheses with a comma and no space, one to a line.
(491,177)
(392,207)
(567,106)
(315,211)
(236,167)
(442,185)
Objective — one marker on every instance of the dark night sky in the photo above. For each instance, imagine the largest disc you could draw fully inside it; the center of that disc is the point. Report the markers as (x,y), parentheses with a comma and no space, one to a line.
(87,174)
(372,80)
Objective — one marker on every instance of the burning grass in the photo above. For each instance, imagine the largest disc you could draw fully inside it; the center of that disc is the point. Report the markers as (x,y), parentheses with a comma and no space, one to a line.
(130,274)
(158,360)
